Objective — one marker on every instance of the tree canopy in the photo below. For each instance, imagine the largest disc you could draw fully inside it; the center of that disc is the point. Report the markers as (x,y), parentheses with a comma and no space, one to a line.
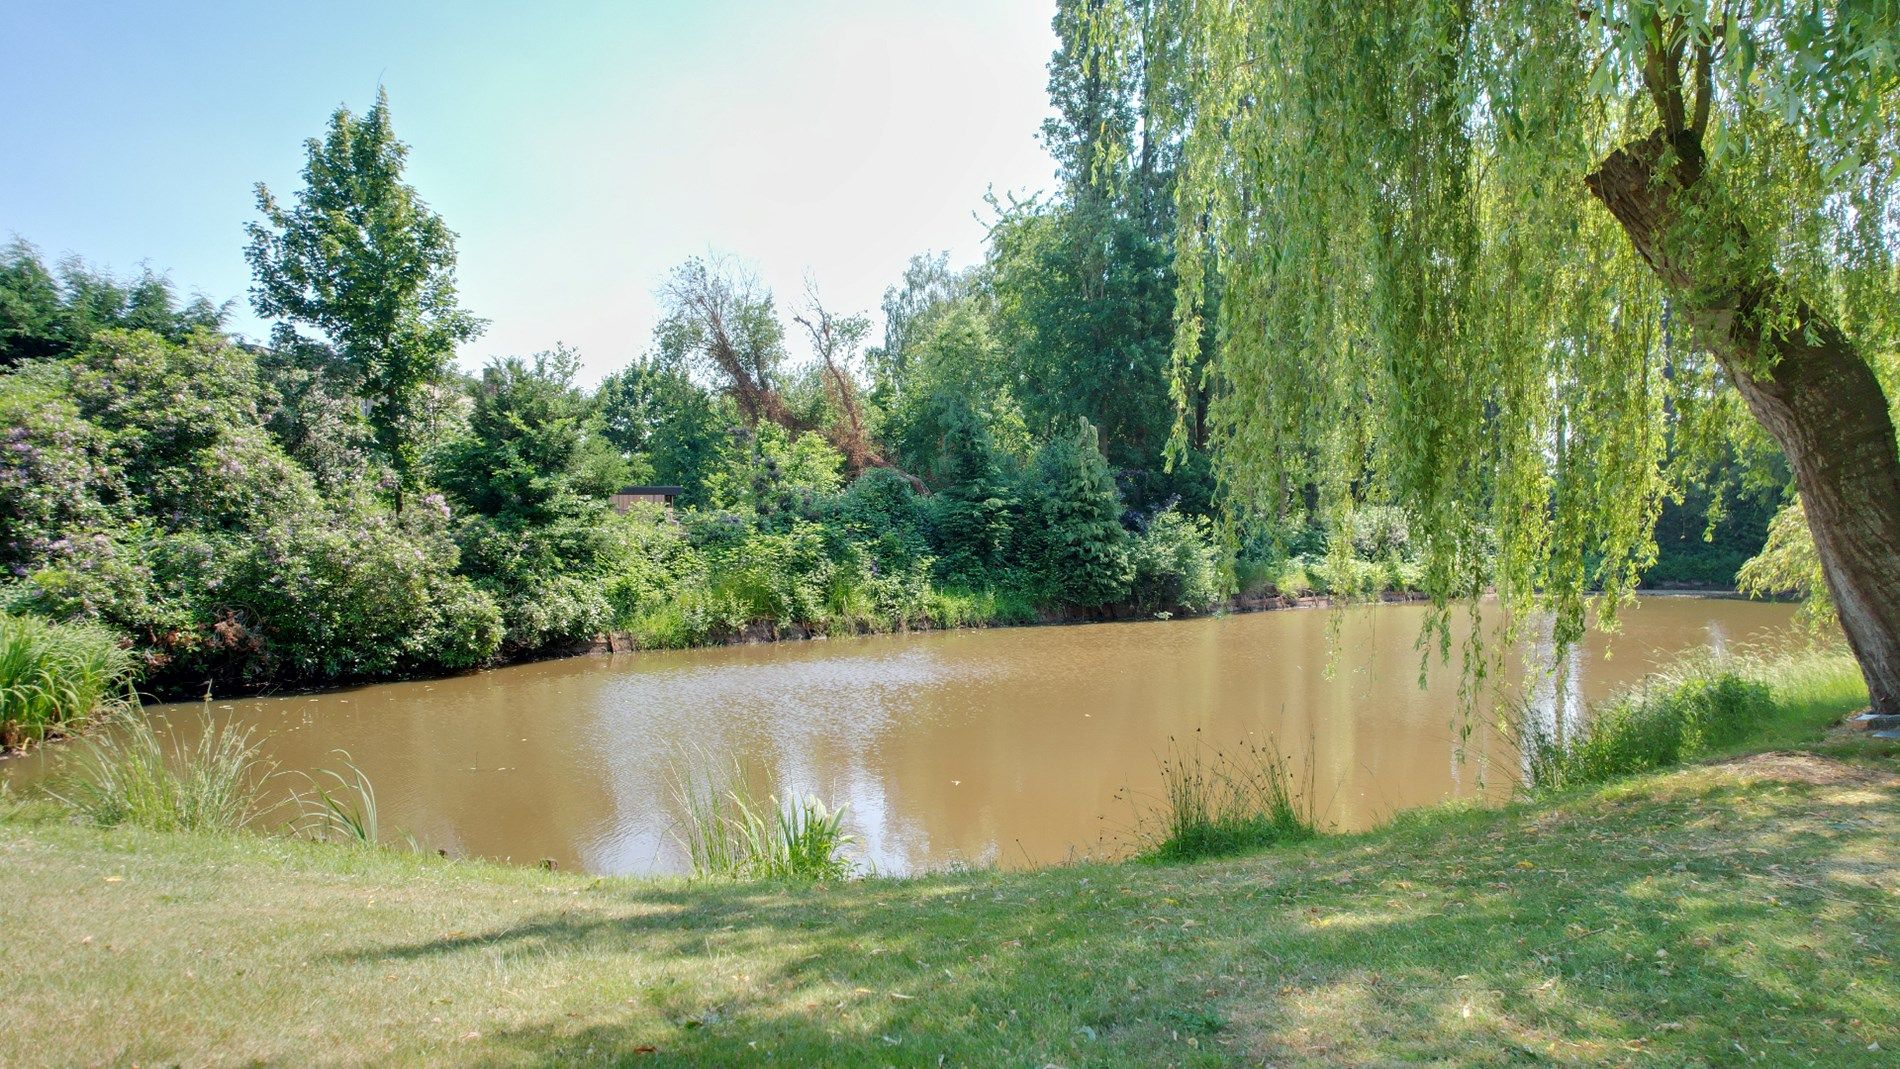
(363,261)
(1423,298)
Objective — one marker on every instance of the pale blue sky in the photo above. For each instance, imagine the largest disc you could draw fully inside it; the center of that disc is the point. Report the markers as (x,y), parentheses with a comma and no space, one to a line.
(579,149)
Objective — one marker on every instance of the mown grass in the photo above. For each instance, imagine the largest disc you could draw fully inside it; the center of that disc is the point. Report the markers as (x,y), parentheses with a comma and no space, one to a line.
(54,676)
(1720,914)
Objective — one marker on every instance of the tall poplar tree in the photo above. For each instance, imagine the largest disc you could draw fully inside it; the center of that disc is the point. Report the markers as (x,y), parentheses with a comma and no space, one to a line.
(359,258)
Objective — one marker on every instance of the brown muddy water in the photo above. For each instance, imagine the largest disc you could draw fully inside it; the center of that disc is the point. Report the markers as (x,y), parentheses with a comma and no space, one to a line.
(1005,747)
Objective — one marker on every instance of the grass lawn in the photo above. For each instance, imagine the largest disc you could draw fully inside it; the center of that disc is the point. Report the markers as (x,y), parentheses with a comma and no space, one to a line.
(1739,912)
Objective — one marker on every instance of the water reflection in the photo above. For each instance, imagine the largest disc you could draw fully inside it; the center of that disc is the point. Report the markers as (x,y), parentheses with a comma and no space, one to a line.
(986,747)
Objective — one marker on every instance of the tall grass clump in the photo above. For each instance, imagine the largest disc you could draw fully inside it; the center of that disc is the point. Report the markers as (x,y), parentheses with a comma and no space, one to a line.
(337,808)
(731,833)
(952,607)
(1215,803)
(1814,687)
(1694,709)
(53,676)
(127,774)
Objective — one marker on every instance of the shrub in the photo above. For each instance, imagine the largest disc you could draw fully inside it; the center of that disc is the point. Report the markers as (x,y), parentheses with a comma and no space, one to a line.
(1294,580)
(54,473)
(956,607)
(163,402)
(782,576)
(361,594)
(55,676)
(880,507)
(1174,565)
(159,588)
(1379,532)
(1256,575)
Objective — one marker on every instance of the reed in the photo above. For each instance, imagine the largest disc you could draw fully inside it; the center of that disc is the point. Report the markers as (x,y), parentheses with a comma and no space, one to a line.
(333,807)
(729,832)
(54,676)
(1219,802)
(127,774)
(1696,708)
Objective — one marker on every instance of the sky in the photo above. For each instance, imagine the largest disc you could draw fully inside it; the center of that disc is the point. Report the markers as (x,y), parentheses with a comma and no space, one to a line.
(580,150)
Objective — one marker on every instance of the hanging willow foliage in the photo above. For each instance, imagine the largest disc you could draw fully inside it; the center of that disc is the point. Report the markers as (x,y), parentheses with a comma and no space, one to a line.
(1420,301)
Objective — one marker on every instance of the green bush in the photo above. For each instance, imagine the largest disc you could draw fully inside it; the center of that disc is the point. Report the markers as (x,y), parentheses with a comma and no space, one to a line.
(56,676)
(1295,579)
(956,607)
(551,581)
(1174,565)
(880,507)
(55,476)
(357,595)
(153,585)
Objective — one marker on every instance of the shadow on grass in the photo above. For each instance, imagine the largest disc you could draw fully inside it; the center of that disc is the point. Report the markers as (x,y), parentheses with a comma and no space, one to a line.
(1687,927)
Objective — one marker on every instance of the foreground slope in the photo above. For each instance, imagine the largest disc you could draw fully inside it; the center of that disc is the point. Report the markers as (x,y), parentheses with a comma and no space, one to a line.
(1719,914)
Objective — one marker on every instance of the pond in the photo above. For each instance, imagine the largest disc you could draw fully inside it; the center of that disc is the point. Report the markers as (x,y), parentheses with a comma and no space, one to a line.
(1007,747)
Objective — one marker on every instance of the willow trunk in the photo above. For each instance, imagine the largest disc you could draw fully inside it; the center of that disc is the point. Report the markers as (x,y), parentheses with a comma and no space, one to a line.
(1809,386)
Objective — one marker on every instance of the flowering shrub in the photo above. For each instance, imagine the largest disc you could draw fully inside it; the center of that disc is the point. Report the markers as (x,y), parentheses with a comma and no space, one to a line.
(357,595)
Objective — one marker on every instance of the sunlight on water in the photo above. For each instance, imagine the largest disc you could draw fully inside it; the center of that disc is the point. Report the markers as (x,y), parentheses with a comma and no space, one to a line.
(1005,747)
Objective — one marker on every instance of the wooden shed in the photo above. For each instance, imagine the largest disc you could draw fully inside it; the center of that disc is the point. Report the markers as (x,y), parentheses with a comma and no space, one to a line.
(628,496)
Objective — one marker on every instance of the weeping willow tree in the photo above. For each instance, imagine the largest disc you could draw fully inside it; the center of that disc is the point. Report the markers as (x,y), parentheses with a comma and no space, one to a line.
(1489,258)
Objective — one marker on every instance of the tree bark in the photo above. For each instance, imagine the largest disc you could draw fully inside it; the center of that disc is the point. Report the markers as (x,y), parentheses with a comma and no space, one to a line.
(1809,386)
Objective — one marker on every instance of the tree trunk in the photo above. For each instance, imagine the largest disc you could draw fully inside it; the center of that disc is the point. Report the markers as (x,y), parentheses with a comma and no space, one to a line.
(1808,386)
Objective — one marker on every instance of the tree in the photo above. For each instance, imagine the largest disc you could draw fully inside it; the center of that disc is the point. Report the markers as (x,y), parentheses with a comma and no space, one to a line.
(1083,308)
(929,287)
(1085,549)
(952,368)
(363,261)
(45,315)
(535,450)
(1447,233)
(666,425)
(976,509)
(1084,283)
(532,475)
(719,320)
(835,341)
(722,321)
